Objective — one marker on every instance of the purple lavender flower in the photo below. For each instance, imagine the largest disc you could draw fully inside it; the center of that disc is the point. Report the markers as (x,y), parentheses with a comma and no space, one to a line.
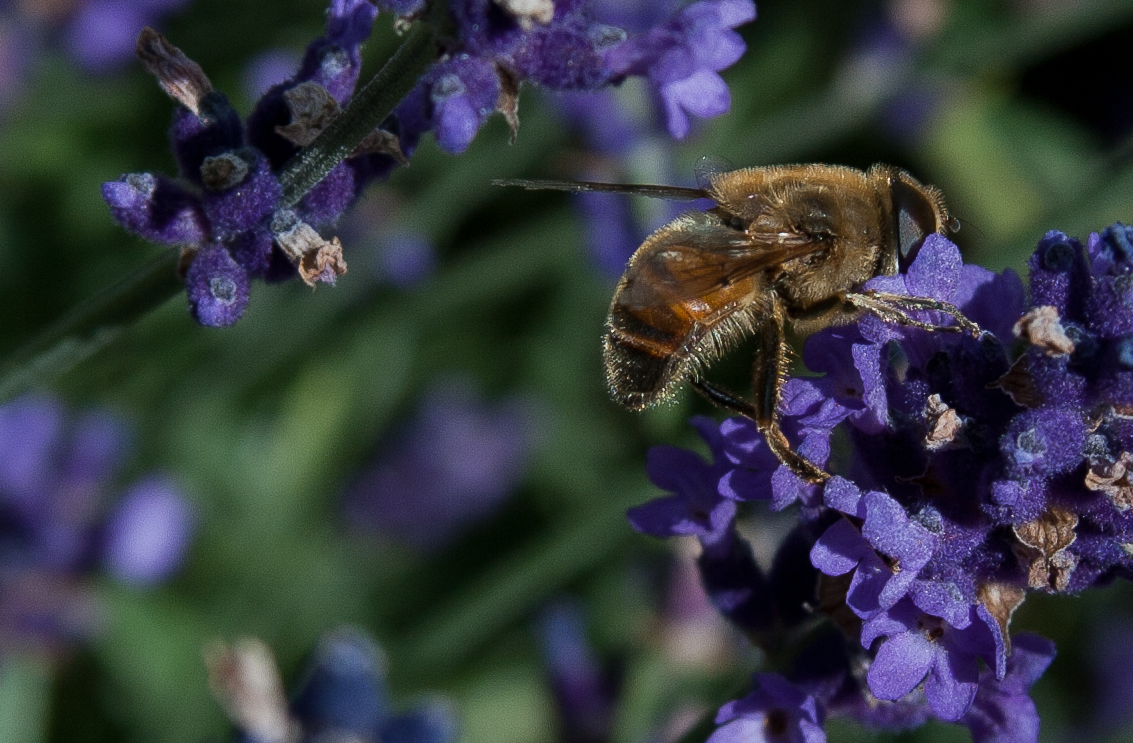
(397,254)
(229,220)
(342,696)
(501,45)
(922,647)
(100,34)
(886,554)
(267,70)
(453,465)
(148,534)
(809,418)
(975,470)
(682,59)
(225,216)
(776,712)
(55,473)
(18,44)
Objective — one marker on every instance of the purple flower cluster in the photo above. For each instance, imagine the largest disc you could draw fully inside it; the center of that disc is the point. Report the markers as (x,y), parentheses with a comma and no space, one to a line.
(59,522)
(226,213)
(968,472)
(342,695)
(563,46)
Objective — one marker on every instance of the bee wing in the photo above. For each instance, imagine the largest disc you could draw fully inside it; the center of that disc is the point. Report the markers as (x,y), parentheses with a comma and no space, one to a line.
(689,262)
(708,167)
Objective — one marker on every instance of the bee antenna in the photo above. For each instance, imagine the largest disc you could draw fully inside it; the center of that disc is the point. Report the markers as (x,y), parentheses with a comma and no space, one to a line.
(955,223)
(673,193)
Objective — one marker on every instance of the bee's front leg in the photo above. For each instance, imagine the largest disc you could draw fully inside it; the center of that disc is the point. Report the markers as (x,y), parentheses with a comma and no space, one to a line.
(895,308)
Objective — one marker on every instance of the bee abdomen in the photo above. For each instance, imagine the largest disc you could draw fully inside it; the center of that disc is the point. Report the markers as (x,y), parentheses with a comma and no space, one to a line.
(638,377)
(642,360)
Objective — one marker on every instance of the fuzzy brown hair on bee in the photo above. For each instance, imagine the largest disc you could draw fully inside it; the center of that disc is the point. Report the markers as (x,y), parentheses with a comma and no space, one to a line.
(784,246)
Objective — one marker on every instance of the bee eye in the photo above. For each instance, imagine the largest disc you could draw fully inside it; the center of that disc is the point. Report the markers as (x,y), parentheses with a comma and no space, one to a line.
(915,218)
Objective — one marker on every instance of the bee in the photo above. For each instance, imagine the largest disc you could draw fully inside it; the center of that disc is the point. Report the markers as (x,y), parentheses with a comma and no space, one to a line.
(783,246)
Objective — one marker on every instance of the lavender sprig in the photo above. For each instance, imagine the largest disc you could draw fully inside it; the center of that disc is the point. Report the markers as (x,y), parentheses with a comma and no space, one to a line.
(975,471)
(342,695)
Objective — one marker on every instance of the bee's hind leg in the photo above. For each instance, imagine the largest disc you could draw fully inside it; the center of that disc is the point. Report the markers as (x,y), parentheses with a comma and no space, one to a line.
(776,441)
(768,376)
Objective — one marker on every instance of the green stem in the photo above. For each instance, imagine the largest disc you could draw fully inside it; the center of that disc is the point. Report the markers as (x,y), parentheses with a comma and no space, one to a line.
(369,108)
(96,322)
(90,326)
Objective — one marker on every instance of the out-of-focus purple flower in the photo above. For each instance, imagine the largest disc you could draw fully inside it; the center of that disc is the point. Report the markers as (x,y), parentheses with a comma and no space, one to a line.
(776,712)
(99,35)
(56,470)
(1110,659)
(585,692)
(148,533)
(17,50)
(398,254)
(454,464)
(612,235)
(406,258)
(341,695)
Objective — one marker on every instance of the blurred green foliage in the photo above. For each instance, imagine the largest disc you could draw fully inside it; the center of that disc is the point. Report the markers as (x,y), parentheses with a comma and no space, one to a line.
(265,422)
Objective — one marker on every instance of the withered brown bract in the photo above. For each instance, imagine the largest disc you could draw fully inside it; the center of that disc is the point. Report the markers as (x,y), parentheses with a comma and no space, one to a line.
(784,244)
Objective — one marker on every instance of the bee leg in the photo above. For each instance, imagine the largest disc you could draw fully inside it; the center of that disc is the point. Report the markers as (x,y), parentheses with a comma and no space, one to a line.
(724,399)
(895,308)
(768,376)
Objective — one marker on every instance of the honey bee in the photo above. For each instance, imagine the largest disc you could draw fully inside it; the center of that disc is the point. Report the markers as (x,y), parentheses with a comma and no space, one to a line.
(784,245)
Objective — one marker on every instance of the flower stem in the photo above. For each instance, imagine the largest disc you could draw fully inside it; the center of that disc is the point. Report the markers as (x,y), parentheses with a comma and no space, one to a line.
(369,108)
(90,326)
(93,324)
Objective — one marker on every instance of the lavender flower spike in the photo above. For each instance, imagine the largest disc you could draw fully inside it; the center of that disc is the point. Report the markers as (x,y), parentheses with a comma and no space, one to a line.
(253,196)
(342,695)
(973,471)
